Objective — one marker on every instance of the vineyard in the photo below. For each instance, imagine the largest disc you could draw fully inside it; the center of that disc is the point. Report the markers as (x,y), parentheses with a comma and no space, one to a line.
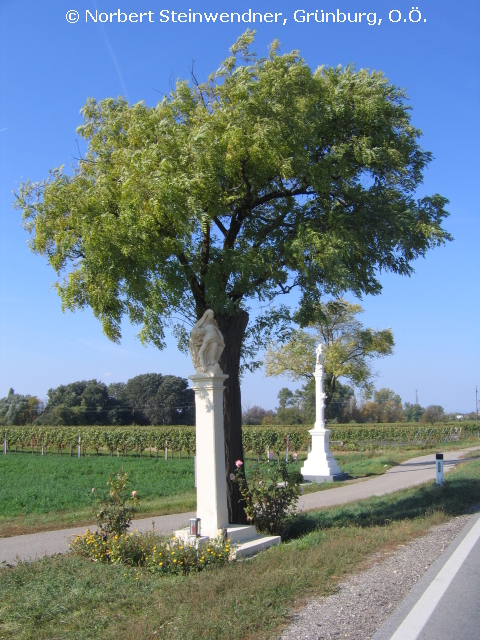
(167,441)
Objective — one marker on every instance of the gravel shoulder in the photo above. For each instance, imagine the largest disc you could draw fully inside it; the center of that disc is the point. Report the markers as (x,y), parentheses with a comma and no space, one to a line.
(367,598)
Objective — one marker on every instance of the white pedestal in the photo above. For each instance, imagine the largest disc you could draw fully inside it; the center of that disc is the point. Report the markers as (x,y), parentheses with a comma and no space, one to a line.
(212,506)
(245,540)
(320,466)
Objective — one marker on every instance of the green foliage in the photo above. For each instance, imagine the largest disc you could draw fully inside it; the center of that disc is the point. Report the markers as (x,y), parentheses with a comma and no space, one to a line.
(160,555)
(257,415)
(299,407)
(158,399)
(83,402)
(412,412)
(266,176)
(432,414)
(17,409)
(145,399)
(270,496)
(349,347)
(114,517)
(134,440)
(386,407)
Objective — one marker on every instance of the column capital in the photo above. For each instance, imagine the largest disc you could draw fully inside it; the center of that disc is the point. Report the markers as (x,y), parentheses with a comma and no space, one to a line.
(208,380)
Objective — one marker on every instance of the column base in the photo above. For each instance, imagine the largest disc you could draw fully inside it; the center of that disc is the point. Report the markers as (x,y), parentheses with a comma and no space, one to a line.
(245,538)
(320,462)
(338,477)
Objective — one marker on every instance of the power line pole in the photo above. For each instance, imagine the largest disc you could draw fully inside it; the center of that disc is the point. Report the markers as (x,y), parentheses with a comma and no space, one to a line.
(476,404)
(416,396)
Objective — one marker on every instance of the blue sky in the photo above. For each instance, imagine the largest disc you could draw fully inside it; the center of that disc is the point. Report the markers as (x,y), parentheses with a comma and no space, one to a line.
(48,68)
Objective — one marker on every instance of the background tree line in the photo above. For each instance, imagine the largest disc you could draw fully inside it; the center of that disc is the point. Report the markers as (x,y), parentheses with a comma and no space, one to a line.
(384,406)
(147,399)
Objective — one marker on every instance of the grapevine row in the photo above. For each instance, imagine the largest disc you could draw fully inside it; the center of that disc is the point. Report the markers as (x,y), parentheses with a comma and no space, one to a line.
(123,440)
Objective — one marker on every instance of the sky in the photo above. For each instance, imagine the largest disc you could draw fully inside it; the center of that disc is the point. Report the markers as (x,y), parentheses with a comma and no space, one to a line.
(50,63)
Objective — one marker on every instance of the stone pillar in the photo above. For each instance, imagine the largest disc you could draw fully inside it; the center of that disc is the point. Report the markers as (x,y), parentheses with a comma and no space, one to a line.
(320,465)
(212,506)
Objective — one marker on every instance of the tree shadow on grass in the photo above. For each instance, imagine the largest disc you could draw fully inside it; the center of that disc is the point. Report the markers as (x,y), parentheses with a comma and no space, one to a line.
(459,495)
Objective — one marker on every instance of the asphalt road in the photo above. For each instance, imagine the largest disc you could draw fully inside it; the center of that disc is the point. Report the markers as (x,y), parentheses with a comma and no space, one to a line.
(410,473)
(36,545)
(445,603)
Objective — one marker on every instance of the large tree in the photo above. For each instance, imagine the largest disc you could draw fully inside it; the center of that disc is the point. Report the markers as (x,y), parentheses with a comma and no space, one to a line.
(349,347)
(266,177)
(158,399)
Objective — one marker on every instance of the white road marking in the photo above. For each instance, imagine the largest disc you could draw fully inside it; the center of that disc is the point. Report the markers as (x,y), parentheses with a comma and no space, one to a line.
(417,618)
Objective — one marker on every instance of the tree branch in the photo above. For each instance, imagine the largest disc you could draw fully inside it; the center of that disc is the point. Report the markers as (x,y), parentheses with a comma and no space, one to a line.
(197,293)
(220,225)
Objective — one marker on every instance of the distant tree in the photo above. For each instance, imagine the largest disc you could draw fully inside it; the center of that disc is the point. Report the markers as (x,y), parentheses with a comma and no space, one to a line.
(341,404)
(386,407)
(432,414)
(116,390)
(174,402)
(17,409)
(256,415)
(84,402)
(299,407)
(289,410)
(286,398)
(121,411)
(349,347)
(140,392)
(157,399)
(412,412)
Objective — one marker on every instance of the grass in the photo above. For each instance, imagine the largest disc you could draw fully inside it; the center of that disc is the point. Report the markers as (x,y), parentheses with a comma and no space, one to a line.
(68,597)
(50,492)
(42,493)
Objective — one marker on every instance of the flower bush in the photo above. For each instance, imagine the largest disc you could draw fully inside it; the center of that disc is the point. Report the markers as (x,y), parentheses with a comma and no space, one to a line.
(111,543)
(114,517)
(270,496)
(156,554)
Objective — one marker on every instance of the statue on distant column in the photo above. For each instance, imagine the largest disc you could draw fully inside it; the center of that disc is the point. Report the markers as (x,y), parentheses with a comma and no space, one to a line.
(206,344)
(319,352)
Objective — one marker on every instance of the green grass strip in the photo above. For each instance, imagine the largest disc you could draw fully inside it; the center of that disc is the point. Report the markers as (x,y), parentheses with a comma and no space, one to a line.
(69,597)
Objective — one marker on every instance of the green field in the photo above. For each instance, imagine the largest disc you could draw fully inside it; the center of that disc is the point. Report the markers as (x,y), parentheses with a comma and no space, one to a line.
(38,493)
(70,597)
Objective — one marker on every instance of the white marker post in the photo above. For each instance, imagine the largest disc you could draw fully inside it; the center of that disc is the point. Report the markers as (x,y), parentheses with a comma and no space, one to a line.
(439,461)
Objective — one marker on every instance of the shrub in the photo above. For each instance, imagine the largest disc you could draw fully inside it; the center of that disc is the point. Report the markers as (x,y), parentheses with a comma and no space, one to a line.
(157,554)
(270,496)
(295,477)
(114,517)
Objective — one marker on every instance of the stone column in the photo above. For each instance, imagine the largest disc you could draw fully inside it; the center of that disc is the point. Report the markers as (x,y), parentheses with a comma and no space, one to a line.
(320,466)
(212,506)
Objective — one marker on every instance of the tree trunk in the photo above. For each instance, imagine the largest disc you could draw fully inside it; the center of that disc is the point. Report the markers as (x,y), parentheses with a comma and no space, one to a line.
(233,331)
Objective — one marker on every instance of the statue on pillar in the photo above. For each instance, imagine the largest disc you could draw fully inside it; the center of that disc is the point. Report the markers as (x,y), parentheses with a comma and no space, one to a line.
(206,344)
(319,353)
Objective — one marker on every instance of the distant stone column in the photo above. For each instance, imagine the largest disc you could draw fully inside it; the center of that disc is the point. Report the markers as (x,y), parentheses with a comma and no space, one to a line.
(212,506)
(320,465)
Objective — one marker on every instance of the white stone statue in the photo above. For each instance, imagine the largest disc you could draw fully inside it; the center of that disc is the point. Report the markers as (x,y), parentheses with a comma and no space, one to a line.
(319,352)
(206,344)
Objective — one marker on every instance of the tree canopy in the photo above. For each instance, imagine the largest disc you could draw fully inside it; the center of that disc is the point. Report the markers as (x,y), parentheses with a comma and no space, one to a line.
(349,347)
(16,409)
(145,399)
(265,177)
(158,399)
